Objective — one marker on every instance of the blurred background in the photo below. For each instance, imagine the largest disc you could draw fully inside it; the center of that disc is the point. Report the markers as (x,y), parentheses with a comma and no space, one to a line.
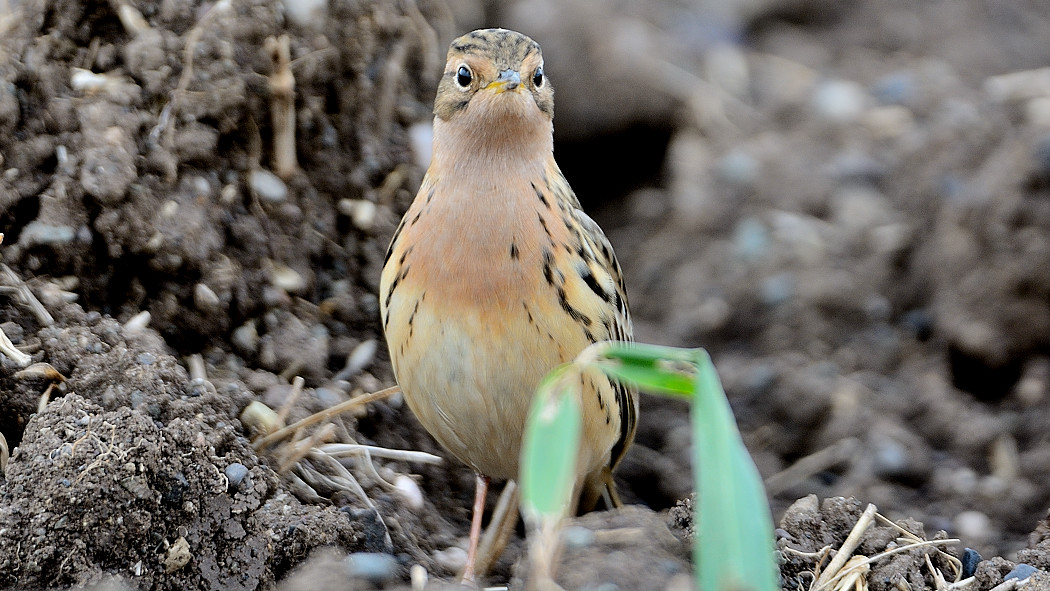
(846,202)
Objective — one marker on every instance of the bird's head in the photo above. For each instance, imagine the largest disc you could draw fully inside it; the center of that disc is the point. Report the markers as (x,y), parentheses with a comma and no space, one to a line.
(495,77)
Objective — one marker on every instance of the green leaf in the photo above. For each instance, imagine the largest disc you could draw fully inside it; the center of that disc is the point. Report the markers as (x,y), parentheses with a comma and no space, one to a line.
(735,549)
(654,368)
(550,446)
(651,378)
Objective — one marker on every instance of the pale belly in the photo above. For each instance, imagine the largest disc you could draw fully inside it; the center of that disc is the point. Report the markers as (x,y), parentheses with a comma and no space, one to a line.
(469,375)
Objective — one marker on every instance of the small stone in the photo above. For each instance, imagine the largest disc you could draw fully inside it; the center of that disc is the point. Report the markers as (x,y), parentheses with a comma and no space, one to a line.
(259,420)
(361,212)
(839,101)
(146,358)
(777,289)
(267,185)
(361,357)
(1020,572)
(739,168)
(285,278)
(306,12)
(37,232)
(889,122)
(364,214)
(178,555)
(409,491)
(751,239)
(235,474)
(246,338)
(973,525)
(205,299)
(970,559)
(898,88)
(372,566)
(137,323)
(453,558)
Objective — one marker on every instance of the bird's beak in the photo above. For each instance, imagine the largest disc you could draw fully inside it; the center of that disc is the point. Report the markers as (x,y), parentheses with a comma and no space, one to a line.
(507,81)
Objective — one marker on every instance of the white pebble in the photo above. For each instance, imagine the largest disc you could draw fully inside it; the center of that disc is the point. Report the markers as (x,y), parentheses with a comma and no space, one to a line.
(409,491)
(973,525)
(246,337)
(306,12)
(361,357)
(839,100)
(286,278)
(363,214)
(267,185)
(136,323)
(453,559)
(205,299)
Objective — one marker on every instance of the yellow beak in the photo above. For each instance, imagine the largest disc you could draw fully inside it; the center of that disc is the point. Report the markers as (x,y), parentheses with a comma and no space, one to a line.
(507,81)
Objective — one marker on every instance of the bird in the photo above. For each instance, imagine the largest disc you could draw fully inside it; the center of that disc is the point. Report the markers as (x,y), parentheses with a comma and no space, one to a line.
(495,276)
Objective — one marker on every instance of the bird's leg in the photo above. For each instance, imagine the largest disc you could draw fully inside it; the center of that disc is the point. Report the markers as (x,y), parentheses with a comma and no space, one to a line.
(481,489)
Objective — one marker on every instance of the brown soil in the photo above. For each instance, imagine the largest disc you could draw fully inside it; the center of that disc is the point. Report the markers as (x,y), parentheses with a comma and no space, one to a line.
(850,208)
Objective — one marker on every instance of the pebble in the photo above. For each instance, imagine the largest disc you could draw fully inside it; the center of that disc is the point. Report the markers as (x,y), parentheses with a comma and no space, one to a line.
(777,289)
(205,299)
(859,207)
(973,525)
(137,323)
(452,558)
(889,122)
(286,278)
(751,239)
(1020,572)
(372,566)
(246,337)
(898,88)
(267,185)
(306,12)
(409,491)
(236,473)
(37,232)
(362,212)
(970,559)
(361,357)
(739,168)
(890,456)
(838,101)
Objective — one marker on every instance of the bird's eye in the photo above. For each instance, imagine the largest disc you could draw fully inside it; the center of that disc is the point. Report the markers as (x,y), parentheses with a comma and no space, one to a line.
(537,78)
(463,76)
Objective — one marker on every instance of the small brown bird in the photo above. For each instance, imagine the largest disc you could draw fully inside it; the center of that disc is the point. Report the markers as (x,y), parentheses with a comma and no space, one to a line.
(495,276)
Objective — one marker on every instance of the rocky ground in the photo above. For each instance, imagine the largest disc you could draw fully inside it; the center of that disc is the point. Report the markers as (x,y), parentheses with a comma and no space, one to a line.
(846,203)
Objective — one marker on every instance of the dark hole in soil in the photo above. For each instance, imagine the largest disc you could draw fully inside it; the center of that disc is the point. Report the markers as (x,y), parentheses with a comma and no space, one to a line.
(16,217)
(987,383)
(604,168)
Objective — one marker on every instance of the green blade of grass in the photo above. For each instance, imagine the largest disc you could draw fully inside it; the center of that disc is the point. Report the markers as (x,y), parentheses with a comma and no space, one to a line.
(735,549)
(549,447)
(650,367)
